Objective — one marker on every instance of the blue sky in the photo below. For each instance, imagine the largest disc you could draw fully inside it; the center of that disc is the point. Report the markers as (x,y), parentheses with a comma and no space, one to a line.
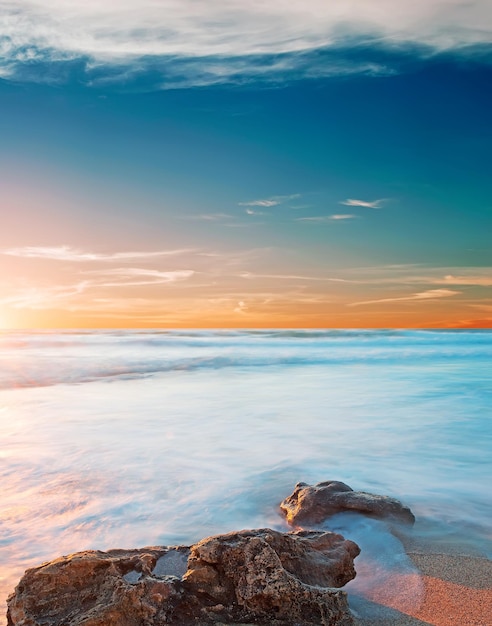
(231,164)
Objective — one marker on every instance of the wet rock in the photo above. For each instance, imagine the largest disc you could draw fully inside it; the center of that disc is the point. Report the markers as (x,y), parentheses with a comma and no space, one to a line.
(256,577)
(270,577)
(115,588)
(310,505)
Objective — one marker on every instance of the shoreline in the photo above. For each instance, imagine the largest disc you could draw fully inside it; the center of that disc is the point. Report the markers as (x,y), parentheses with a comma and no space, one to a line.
(454,590)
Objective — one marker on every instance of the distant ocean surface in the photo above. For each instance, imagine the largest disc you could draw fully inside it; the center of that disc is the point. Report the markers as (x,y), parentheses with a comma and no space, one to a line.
(134,438)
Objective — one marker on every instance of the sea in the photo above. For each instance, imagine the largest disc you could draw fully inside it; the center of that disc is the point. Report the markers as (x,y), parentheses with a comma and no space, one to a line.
(132,438)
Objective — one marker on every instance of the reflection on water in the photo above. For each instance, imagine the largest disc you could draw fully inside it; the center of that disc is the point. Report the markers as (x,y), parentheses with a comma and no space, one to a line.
(127,439)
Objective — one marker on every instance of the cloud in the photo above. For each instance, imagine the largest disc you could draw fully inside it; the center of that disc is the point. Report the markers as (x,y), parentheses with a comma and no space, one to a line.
(44,297)
(481,277)
(483,322)
(269,202)
(252,212)
(484,306)
(50,297)
(209,217)
(251,275)
(241,307)
(264,203)
(376,204)
(134,276)
(478,281)
(230,38)
(129,272)
(66,253)
(431,294)
(326,218)
(122,28)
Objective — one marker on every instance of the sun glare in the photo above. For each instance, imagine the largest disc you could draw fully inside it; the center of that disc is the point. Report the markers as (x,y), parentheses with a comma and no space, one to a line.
(3,322)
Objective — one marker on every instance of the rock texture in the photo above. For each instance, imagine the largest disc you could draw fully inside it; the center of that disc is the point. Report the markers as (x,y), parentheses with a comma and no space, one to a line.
(311,505)
(271,577)
(115,588)
(256,577)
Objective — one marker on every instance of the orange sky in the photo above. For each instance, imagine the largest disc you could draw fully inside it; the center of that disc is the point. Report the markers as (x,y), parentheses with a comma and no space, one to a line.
(63,287)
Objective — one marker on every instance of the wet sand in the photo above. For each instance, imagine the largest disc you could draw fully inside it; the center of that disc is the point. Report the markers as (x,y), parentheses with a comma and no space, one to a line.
(456,590)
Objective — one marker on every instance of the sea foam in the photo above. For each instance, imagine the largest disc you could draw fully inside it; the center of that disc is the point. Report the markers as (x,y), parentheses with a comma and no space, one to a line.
(126,439)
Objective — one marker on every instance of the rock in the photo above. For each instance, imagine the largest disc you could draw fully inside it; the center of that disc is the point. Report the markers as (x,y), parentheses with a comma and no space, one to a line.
(255,576)
(270,577)
(115,588)
(311,505)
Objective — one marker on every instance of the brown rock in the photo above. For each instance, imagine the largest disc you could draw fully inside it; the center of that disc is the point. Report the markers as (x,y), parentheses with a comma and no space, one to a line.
(258,576)
(311,505)
(115,588)
(275,578)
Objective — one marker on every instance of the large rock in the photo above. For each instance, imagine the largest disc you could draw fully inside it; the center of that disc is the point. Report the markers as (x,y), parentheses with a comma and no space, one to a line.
(310,505)
(257,576)
(115,588)
(269,577)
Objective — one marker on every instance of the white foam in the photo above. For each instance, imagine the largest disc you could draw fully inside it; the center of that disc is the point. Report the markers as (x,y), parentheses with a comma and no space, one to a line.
(172,457)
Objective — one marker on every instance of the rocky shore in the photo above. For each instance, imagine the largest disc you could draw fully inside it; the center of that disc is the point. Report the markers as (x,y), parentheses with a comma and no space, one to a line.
(259,576)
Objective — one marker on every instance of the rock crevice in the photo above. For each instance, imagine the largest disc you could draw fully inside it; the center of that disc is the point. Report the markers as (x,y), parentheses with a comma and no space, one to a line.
(252,576)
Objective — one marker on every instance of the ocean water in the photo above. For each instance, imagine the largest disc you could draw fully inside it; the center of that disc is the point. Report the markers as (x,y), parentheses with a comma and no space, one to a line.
(134,438)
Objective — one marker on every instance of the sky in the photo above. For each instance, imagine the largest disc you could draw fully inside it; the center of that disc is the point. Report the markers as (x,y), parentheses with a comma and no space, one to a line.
(177,163)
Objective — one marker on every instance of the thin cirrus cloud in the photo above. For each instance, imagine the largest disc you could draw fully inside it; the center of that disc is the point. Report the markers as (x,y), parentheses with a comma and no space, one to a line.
(270,202)
(253,212)
(45,297)
(241,307)
(67,254)
(327,218)
(375,204)
(54,296)
(208,217)
(262,203)
(252,275)
(478,281)
(133,33)
(134,276)
(431,294)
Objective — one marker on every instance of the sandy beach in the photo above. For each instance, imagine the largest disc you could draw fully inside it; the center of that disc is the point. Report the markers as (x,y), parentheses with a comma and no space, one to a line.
(456,590)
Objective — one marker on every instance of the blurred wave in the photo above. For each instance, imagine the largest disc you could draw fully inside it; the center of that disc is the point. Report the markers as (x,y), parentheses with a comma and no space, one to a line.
(31,359)
(133,438)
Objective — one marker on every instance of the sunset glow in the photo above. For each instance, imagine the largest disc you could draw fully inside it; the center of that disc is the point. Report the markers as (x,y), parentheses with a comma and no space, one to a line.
(323,166)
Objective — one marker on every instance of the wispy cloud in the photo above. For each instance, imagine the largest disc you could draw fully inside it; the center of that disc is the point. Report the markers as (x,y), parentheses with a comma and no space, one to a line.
(478,281)
(209,217)
(375,204)
(264,203)
(129,34)
(56,296)
(45,297)
(483,322)
(133,276)
(431,294)
(251,275)
(326,218)
(421,274)
(252,212)
(68,254)
(270,202)
(241,307)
